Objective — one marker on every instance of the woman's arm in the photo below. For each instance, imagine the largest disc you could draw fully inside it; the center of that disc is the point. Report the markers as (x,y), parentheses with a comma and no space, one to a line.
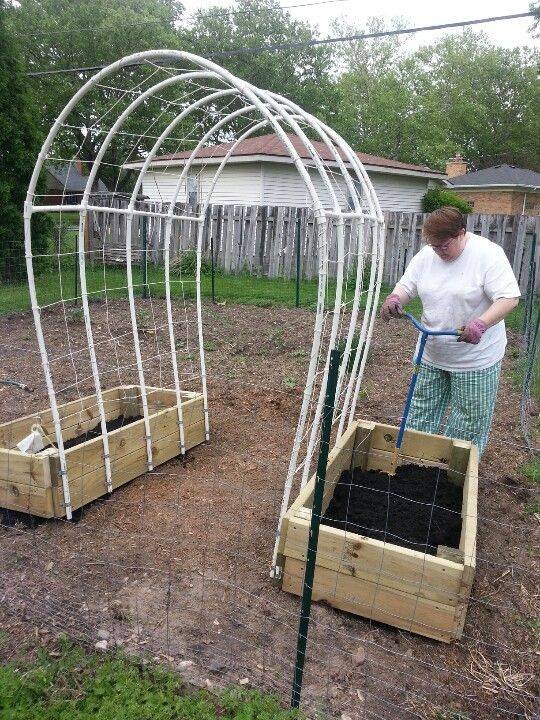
(402,294)
(498,310)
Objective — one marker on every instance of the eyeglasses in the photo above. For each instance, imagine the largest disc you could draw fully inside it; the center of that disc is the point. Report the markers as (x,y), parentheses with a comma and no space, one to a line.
(444,246)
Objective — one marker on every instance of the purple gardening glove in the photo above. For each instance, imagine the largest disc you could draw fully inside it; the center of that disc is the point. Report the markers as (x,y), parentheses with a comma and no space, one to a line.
(391,307)
(472,332)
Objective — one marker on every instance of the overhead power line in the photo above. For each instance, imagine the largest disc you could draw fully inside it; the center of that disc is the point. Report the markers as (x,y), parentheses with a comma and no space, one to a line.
(145,23)
(311,43)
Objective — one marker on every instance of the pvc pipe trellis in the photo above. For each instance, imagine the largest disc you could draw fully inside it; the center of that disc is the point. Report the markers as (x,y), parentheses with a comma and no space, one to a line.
(221,107)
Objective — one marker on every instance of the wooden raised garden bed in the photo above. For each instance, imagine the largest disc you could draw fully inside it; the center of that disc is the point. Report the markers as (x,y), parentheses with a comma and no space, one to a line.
(31,483)
(414,583)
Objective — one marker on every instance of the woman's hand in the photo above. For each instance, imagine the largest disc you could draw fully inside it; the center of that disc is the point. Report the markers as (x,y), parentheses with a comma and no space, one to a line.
(473,331)
(392,307)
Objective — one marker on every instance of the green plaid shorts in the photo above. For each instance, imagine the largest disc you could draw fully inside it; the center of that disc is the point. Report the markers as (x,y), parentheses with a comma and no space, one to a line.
(469,395)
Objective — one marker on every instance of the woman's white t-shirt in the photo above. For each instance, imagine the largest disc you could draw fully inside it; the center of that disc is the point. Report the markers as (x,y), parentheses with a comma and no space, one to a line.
(453,293)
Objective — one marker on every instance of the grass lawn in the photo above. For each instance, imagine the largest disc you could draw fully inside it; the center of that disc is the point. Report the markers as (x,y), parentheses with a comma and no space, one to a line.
(241,288)
(75,685)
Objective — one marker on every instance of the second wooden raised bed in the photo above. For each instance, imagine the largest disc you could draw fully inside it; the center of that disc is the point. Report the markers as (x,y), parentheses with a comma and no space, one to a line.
(423,593)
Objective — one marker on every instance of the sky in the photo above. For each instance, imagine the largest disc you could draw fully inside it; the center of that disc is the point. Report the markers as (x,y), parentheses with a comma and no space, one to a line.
(509,33)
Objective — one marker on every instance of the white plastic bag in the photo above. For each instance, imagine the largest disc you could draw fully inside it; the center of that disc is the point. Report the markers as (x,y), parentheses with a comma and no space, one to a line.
(32,443)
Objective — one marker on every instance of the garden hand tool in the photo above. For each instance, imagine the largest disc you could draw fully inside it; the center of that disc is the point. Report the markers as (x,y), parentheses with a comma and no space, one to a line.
(425,333)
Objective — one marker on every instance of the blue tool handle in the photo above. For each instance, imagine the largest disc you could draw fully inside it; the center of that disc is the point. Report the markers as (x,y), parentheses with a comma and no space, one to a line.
(426,332)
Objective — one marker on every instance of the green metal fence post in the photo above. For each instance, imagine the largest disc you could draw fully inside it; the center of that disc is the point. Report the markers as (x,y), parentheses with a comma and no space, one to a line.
(76,293)
(298,261)
(212,261)
(529,292)
(144,257)
(303,627)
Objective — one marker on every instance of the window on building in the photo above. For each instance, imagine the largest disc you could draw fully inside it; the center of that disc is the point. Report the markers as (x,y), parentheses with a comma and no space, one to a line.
(531,203)
(358,187)
(192,190)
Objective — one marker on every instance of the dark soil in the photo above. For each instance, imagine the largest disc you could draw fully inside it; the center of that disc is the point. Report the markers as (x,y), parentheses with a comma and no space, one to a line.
(95,432)
(418,508)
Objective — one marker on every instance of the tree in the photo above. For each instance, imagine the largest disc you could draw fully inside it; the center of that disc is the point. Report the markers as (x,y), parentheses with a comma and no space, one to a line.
(302,74)
(534,7)
(58,34)
(487,97)
(18,151)
(439,197)
(459,94)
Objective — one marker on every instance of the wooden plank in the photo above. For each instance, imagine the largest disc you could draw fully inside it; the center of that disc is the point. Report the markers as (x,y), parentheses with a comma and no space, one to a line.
(23,468)
(467,542)
(362,443)
(377,562)
(339,459)
(309,267)
(434,620)
(385,461)
(74,415)
(415,444)
(92,485)
(229,238)
(27,499)
(450,553)
(458,462)
(130,438)
(25,483)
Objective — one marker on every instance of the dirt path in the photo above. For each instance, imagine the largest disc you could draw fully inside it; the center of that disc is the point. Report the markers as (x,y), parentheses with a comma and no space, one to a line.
(175,564)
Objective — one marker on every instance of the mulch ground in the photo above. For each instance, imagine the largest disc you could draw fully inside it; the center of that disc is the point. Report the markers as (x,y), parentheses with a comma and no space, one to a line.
(175,565)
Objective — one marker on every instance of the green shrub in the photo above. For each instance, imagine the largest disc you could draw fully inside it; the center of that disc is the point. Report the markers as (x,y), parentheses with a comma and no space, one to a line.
(186,265)
(439,197)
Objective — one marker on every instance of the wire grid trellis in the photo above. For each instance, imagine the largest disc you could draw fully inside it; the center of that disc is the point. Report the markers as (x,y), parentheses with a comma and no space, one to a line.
(530,398)
(175,565)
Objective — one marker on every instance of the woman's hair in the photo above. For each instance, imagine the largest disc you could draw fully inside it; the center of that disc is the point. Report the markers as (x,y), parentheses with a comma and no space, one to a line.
(446,222)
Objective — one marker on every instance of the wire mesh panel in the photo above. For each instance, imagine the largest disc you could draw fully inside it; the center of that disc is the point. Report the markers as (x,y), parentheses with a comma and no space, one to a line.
(175,565)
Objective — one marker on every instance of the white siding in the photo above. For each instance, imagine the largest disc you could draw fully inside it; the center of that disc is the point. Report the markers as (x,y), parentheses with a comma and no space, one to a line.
(159,185)
(399,192)
(269,183)
(240,184)
(282,185)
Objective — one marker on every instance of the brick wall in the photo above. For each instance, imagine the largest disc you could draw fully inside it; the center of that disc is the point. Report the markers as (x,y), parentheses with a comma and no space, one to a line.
(501,202)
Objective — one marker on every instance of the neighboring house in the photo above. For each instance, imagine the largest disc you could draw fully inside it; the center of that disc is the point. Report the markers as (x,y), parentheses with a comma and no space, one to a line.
(65,184)
(261,172)
(502,189)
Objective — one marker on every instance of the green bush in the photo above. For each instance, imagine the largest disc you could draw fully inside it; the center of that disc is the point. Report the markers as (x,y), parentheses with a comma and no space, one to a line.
(439,197)
(186,265)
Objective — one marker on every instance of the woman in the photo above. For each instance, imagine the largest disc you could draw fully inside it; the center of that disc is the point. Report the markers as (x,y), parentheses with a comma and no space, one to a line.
(465,282)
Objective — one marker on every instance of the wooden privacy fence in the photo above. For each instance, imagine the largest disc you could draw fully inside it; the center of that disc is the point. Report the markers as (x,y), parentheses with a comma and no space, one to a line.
(262,240)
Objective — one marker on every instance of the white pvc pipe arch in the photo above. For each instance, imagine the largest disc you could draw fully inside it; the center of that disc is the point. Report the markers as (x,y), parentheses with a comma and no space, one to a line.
(275,111)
